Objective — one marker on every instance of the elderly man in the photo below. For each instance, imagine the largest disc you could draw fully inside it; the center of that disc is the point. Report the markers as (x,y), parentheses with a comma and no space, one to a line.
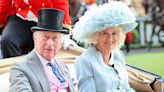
(38,71)
(17,40)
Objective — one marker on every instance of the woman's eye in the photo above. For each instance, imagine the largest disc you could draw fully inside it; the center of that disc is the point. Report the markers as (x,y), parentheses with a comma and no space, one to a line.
(104,33)
(114,33)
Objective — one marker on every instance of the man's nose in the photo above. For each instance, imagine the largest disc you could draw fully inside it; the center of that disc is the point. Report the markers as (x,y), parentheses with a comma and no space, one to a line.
(50,41)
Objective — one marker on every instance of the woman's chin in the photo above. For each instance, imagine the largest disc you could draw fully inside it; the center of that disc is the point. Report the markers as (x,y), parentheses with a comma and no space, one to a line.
(108,47)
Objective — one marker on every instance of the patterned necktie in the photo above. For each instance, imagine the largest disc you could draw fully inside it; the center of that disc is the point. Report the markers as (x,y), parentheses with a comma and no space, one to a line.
(55,71)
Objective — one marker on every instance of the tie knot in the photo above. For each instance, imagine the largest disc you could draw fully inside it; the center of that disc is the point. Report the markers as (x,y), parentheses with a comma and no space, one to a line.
(49,64)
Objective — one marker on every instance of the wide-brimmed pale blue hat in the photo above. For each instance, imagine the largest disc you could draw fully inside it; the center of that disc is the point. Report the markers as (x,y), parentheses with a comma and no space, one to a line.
(111,14)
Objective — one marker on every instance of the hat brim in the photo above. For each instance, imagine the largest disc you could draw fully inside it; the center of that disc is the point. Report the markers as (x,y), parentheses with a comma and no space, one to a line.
(35,28)
(129,26)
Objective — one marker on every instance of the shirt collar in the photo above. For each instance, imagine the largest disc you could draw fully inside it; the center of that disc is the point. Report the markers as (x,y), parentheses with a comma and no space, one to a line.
(43,60)
(93,50)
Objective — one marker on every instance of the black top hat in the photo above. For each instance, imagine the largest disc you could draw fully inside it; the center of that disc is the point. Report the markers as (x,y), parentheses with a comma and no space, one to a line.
(50,20)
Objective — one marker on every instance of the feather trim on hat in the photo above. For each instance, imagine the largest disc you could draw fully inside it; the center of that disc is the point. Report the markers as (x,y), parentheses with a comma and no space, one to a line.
(111,14)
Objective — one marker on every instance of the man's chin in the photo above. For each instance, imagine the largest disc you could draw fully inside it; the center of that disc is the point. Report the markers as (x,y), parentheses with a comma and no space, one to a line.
(49,57)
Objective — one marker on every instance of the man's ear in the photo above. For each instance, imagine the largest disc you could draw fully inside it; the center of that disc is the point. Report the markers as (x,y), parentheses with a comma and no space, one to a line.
(34,36)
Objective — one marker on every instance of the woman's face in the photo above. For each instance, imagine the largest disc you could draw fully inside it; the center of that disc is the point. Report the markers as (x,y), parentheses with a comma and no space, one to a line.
(108,38)
(47,44)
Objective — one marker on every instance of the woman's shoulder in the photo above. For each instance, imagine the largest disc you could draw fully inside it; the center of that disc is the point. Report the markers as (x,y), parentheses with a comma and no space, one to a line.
(87,56)
(118,56)
(118,53)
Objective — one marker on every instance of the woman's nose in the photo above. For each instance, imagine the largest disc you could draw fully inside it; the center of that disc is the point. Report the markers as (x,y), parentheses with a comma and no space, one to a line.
(109,37)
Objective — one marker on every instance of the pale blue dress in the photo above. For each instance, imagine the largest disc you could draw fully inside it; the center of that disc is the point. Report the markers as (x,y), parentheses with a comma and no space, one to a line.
(94,75)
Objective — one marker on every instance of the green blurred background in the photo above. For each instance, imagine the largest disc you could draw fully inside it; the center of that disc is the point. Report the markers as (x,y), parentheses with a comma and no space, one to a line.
(150,61)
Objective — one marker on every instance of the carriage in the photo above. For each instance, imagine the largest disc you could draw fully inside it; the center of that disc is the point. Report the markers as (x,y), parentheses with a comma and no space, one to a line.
(140,80)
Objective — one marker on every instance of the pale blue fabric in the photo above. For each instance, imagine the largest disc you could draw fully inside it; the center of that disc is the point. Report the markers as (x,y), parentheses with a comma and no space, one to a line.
(95,76)
(111,14)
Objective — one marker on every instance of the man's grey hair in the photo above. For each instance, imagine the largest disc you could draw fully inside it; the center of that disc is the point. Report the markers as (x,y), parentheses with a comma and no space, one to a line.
(63,36)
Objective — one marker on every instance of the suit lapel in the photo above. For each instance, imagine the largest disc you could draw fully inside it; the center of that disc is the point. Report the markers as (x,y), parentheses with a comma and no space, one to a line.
(64,70)
(37,68)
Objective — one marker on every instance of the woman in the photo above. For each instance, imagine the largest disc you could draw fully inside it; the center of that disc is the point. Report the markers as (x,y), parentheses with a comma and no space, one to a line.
(102,67)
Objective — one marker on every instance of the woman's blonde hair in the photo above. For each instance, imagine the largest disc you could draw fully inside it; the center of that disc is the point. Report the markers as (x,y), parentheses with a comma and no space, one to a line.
(93,38)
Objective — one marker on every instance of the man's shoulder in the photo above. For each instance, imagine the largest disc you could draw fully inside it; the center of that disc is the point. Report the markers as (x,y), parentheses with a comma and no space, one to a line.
(60,63)
(22,63)
(19,64)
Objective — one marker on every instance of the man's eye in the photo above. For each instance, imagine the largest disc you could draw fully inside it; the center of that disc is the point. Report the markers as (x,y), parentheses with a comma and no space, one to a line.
(54,38)
(46,37)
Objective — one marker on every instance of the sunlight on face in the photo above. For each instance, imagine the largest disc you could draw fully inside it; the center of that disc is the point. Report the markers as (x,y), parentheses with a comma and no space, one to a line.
(108,38)
(47,44)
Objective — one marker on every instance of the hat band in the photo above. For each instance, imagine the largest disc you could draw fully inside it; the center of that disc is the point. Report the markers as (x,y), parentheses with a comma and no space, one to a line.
(46,26)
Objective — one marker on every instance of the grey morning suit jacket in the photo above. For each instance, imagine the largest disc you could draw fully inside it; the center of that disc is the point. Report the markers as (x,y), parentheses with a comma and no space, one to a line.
(28,75)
